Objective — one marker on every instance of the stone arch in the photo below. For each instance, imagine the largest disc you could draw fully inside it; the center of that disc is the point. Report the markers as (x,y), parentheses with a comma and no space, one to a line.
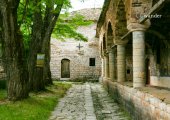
(109,35)
(65,68)
(121,22)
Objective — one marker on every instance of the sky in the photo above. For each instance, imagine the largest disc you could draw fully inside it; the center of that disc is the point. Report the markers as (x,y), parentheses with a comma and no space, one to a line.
(77,4)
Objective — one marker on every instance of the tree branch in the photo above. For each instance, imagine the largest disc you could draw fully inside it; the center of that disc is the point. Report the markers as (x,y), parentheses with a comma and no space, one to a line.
(52,24)
(24,12)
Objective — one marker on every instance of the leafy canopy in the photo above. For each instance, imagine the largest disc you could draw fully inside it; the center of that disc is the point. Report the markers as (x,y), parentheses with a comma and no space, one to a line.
(66,27)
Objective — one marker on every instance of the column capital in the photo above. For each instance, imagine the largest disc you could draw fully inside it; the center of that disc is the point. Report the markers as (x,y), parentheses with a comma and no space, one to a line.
(138,27)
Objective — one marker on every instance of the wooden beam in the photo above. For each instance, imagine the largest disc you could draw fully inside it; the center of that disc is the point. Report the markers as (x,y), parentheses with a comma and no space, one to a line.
(125,35)
(159,4)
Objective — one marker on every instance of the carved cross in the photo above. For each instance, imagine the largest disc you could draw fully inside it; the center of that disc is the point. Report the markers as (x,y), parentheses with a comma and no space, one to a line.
(79,46)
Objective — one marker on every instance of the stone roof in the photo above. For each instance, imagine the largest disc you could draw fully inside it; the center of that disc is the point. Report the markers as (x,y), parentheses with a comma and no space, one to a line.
(89,13)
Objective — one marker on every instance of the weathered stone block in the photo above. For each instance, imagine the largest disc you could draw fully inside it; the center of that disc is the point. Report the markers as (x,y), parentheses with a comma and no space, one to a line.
(168,108)
(162,106)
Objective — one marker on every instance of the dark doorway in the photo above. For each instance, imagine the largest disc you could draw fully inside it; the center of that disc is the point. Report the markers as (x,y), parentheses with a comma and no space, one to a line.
(65,68)
(147,62)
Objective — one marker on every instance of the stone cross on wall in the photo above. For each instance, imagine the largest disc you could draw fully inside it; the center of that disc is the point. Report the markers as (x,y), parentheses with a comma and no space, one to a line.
(79,46)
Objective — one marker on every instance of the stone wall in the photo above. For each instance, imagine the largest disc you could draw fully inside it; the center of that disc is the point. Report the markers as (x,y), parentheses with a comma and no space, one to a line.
(156,79)
(140,104)
(79,59)
(160,81)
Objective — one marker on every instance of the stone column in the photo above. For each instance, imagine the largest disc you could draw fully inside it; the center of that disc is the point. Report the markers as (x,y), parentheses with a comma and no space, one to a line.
(111,65)
(121,63)
(139,74)
(106,60)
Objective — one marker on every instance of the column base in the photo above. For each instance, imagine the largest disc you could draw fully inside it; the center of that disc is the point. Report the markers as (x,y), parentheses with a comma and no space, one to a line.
(101,79)
(106,78)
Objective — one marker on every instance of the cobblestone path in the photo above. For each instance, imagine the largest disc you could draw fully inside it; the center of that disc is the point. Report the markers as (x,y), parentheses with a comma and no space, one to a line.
(105,107)
(87,102)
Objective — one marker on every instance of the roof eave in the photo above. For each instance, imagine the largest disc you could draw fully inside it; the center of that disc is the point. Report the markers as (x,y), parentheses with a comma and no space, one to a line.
(102,16)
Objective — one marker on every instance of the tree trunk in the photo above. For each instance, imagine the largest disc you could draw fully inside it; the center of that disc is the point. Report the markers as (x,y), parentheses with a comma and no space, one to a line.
(0,27)
(42,30)
(47,19)
(36,73)
(47,72)
(49,25)
(15,64)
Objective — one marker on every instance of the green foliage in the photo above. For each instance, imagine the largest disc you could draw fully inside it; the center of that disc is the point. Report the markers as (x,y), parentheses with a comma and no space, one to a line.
(66,5)
(66,27)
(25,15)
(63,31)
(78,20)
(36,107)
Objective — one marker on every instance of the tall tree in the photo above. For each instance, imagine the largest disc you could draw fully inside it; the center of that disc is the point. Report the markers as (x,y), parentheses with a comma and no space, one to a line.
(13,51)
(40,42)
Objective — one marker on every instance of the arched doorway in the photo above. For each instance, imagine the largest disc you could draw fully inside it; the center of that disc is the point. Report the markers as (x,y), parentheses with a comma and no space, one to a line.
(147,67)
(109,42)
(65,68)
(109,36)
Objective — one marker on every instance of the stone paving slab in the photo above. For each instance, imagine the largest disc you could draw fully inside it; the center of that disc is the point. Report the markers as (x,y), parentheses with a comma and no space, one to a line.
(76,105)
(105,107)
(87,101)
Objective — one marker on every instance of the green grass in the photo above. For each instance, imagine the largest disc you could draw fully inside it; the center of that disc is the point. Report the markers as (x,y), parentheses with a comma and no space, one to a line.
(37,107)
(2,94)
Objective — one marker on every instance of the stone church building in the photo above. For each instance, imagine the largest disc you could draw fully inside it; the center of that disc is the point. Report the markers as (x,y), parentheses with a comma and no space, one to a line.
(77,60)
(134,45)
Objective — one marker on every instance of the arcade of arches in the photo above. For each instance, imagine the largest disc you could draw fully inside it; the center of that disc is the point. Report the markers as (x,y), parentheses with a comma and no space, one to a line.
(135,52)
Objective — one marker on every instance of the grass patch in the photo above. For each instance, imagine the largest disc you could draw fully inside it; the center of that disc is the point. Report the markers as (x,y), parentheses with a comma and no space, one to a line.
(37,107)
(2,94)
